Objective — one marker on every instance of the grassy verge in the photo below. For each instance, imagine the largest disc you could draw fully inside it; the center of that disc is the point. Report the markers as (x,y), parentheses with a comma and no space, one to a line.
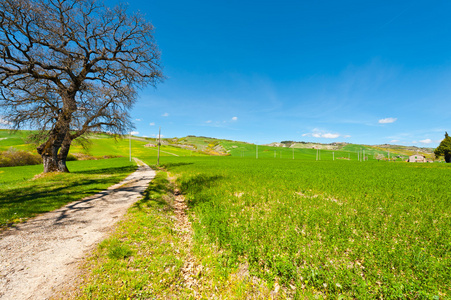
(143,258)
(150,256)
(22,197)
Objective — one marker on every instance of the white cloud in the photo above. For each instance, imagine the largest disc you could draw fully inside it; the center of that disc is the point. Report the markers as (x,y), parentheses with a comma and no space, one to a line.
(234,118)
(387,120)
(208,122)
(346,136)
(394,141)
(134,132)
(4,122)
(138,120)
(165,114)
(426,141)
(152,124)
(330,135)
(316,133)
(156,135)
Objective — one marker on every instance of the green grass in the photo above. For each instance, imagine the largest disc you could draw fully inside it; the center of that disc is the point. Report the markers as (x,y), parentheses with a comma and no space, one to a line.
(102,144)
(22,198)
(350,152)
(99,145)
(350,229)
(15,139)
(330,229)
(143,258)
(327,229)
(10,175)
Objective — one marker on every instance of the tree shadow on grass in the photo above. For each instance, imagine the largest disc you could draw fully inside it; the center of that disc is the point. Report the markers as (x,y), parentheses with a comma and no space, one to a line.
(169,166)
(158,187)
(194,186)
(27,201)
(110,171)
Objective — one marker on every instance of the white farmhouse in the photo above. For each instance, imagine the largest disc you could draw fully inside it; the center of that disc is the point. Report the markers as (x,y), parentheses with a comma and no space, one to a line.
(417,158)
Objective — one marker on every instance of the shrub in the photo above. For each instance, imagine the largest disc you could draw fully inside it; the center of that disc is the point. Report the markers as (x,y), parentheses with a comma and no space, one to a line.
(444,148)
(71,157)
(14,157)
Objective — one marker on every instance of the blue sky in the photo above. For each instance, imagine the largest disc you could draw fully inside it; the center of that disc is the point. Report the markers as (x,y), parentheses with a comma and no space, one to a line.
(368,72)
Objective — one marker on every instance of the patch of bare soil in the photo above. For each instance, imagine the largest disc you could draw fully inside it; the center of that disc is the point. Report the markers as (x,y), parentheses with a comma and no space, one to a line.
(191,269)
(40,256)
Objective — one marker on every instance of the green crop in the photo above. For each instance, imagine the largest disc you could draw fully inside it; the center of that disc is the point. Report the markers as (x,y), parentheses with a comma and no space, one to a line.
(364,230)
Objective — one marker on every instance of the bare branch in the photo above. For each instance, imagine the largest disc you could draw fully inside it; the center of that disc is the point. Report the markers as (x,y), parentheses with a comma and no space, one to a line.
(73,65)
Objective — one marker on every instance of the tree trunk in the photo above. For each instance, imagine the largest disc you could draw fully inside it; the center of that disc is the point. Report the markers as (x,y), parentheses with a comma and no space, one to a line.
(57,137)
(49,158)
(64,151)
(448,157)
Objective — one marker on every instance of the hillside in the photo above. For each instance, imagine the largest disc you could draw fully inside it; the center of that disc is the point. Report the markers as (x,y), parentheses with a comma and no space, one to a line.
(95,145)
(371,150)
(101,144)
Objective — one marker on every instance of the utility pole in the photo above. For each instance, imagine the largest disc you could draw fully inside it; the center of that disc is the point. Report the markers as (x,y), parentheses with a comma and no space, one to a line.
(293,153)
(159,144)
(333,155)
(130,145)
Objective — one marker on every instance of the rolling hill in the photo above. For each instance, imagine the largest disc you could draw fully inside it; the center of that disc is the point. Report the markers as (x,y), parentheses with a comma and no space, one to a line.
(101,144)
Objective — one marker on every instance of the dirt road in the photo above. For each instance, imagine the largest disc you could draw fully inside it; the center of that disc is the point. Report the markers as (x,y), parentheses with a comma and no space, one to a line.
(40,255)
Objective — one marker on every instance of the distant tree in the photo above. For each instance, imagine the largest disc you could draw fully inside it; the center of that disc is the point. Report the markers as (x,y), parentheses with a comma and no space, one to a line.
(70,66)
(380,156)
(444,149)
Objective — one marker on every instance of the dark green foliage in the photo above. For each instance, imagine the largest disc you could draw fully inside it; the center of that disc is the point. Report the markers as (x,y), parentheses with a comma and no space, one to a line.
(71,157)
(444,149)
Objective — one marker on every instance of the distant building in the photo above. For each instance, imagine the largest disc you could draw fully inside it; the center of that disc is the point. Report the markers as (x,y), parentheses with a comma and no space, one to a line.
(417,158)
(149,145)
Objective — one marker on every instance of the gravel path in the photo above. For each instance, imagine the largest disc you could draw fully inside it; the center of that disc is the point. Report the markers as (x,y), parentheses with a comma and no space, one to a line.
(38,256)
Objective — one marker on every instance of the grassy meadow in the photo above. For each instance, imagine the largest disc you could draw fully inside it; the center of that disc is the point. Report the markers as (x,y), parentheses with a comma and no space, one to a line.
(341,228)
(270,227)
(304,228)
(23,196)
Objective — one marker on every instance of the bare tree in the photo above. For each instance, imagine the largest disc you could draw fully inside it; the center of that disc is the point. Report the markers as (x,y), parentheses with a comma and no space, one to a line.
(68,66)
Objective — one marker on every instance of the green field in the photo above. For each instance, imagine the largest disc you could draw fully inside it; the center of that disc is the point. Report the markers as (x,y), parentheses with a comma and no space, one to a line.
(334,229)
(99,145)
(22,196)
(364,230)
